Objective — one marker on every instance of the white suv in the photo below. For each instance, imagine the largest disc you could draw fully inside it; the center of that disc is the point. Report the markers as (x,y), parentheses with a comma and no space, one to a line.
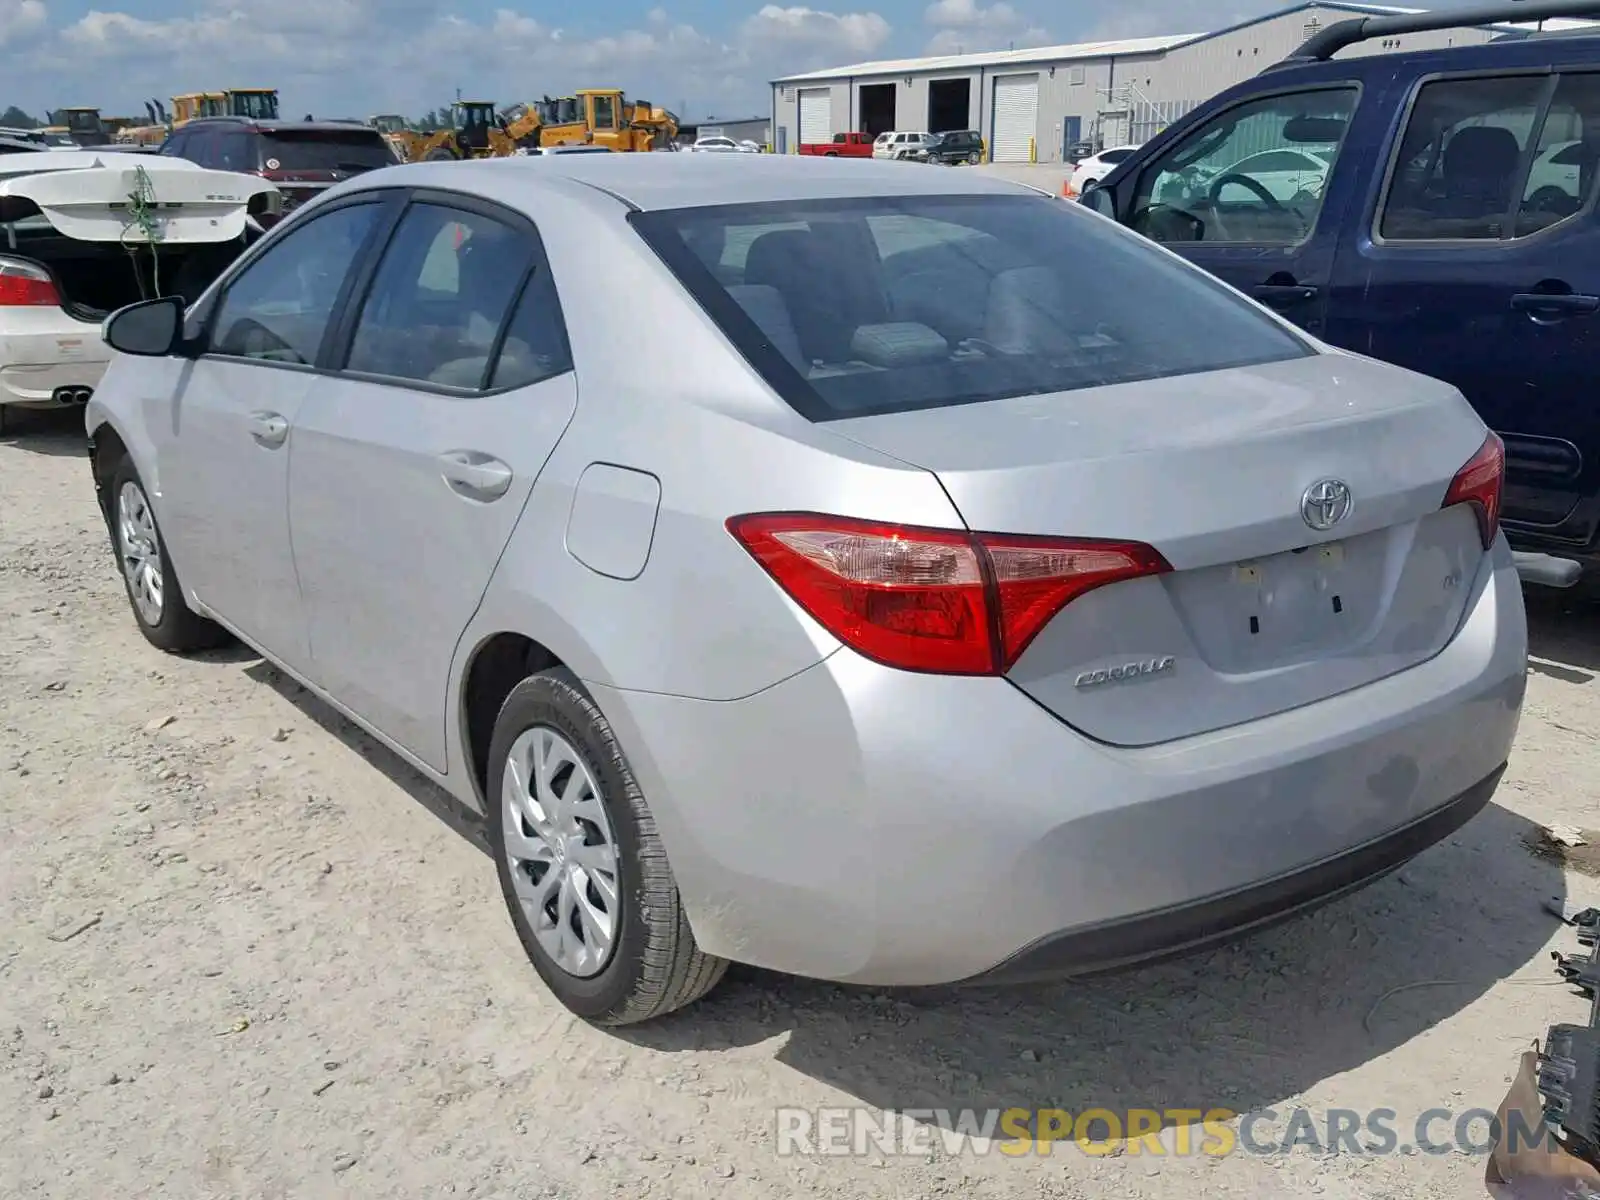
(902,145)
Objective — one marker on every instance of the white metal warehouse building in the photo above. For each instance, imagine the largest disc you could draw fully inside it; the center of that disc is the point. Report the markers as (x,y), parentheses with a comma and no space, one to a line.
(1034,105)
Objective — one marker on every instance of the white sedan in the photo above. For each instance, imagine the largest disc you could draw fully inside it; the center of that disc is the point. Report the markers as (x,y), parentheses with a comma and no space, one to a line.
(1093,169)
(719,145)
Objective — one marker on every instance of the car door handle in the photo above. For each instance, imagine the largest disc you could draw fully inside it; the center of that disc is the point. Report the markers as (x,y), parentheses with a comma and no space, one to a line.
(1282,293)
(268,428)
(1552,306)
(475,475)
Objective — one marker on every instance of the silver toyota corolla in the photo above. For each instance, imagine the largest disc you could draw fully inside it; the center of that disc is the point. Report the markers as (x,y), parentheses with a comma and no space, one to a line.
(888,576)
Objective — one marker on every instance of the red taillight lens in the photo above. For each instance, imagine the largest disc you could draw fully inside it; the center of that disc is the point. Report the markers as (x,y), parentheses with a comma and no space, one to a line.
(938,600)
(1480,483)
(25,285)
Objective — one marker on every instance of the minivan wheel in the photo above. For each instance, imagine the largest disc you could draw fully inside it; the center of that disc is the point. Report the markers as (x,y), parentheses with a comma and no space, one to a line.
(162,614)
(581,867)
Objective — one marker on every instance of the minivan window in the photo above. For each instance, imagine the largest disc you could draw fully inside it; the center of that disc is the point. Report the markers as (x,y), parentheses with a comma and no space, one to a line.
(349,150)
(858,306)
(1212,187)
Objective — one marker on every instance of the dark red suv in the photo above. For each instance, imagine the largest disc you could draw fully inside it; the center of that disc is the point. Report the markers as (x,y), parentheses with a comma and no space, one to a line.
(301,157)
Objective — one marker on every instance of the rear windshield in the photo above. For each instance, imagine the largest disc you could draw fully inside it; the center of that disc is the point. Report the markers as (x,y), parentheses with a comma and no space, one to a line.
(860,306)
(326,150)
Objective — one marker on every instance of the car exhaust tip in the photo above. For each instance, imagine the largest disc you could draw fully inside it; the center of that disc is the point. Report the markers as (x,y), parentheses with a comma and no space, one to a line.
(72,395)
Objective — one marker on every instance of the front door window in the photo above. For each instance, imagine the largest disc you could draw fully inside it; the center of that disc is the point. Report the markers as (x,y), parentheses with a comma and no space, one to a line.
(1254,174)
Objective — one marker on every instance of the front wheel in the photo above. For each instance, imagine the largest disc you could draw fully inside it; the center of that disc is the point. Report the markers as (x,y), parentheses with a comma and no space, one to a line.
(581,866)
(439,154)
(159,609)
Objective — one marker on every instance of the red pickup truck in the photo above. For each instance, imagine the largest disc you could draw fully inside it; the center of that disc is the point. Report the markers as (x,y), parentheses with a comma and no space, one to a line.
(844,145)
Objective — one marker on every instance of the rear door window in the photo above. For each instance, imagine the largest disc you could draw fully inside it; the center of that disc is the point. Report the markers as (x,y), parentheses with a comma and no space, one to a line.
(1491,159)
(857,306)
(1212,186)
(350,151)
(440,297)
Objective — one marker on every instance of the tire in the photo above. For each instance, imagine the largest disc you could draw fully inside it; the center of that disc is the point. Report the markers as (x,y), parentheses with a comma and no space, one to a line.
(4,420)
(170,625)
(438,154)
(651,964)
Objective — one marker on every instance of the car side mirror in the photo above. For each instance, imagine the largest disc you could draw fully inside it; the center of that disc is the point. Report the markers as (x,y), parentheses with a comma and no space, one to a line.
(1102,201)
(150,328)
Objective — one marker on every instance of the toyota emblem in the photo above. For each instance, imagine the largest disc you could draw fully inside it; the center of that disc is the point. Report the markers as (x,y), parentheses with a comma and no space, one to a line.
(1325,503)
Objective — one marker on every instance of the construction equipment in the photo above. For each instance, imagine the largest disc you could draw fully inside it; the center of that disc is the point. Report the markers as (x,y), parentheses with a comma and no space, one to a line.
(82,126)
(591,117)
(394,130)
(259,104)
(480,132)
(605,117)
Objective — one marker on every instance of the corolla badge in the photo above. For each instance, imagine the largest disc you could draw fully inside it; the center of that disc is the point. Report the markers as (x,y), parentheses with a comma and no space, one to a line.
(1123,672)
(1325,503)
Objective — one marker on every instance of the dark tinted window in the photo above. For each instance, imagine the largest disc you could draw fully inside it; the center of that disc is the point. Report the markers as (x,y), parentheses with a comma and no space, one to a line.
(350,150)
(535,347)
(1460,159)
(851,307)
(1114,156)
(1562,175)
(440,296)
(277,309)
(202,147)
(173,146)
(236,151)
(960,141)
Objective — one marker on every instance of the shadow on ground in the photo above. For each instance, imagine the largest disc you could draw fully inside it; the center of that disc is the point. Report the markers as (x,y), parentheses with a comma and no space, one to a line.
(1245,1026)
(56,432)
(390,765)
(1563,634)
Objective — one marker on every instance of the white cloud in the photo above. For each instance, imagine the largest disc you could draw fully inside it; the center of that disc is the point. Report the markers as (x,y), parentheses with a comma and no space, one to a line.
(806,29)
(357,56)
(965,26)
(21,19)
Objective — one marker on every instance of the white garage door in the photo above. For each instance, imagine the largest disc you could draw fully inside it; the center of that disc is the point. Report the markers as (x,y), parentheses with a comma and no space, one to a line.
(816,115)
(1016,116)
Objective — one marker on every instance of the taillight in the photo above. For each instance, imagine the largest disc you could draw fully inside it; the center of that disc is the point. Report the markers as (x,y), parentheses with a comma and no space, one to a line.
(944,601)
(1480,483)
(25,285)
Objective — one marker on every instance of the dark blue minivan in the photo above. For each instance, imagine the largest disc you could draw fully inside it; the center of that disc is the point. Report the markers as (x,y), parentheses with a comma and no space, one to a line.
(1434,209)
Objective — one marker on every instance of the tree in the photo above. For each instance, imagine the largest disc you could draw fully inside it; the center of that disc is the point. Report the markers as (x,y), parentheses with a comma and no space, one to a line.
(15,118)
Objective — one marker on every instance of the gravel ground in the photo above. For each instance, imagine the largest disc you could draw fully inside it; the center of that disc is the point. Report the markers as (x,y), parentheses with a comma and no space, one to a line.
(245,952)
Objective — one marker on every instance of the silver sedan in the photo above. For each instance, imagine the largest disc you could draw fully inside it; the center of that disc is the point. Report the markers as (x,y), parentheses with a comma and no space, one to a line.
(795,564)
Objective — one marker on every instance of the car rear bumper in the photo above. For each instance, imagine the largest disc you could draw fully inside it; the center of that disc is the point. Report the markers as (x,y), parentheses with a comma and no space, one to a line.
(36,365)
(868,825)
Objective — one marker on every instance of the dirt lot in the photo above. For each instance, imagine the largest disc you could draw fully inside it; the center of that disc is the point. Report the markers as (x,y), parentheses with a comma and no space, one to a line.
(244,952)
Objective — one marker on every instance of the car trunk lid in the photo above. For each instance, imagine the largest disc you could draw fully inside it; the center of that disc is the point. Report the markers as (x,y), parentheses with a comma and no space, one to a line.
(1261,612)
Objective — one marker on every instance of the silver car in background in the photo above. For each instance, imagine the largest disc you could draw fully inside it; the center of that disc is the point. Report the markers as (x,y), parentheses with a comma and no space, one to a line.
(795,565)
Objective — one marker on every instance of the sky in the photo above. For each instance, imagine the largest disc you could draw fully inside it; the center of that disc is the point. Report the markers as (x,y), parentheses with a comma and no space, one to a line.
(353,58)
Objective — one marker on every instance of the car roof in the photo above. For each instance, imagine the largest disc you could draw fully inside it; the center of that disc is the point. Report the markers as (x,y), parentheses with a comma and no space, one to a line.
(1508,50)
(267,126)
(650,181)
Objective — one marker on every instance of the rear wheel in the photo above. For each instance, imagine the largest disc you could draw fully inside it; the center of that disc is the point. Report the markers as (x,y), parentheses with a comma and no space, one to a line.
(156,596)
(581,866)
